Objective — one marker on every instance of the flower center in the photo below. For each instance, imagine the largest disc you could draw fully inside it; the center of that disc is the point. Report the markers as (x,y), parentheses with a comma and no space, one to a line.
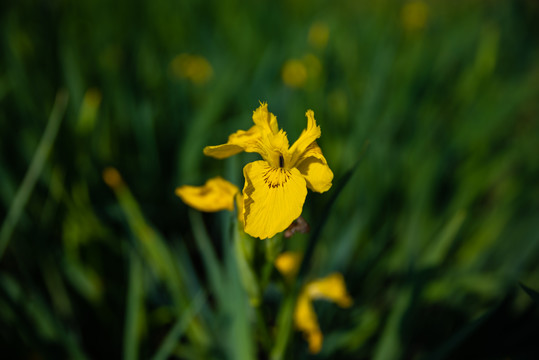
(276,177)
(281,161)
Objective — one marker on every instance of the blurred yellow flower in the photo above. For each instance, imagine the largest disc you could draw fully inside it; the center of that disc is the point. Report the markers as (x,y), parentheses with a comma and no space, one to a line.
(294,73)
(319,35)
(112,177)
(215,195)
(306,321)
(288,263)
(414,15)
(192,67)
(331,287)
(275,187)
(88,110)
(302,73)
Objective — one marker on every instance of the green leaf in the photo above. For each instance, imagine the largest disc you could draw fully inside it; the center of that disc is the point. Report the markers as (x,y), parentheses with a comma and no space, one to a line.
(532,293)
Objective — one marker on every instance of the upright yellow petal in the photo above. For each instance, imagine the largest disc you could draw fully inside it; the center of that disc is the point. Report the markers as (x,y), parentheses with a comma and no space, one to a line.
(273,198)
(240,141)
(314,167)
(307,137)
(274,149)
(266,120)
(332,287)
(217,194)
(306,321)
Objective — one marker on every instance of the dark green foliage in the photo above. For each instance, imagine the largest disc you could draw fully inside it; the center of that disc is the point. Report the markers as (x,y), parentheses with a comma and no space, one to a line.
(433,232)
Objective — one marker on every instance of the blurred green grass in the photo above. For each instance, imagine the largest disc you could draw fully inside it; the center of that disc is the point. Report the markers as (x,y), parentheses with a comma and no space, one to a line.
(433,233)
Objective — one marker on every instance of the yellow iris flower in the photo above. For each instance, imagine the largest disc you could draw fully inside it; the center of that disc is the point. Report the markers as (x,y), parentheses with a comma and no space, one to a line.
(275,187)
(215,195)
(331,287)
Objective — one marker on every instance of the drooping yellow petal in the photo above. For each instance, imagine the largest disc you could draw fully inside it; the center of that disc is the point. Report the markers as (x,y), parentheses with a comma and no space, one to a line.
(306,321)
(307,137)
(314,167)
(273,198)
(266,120)
(288,263)
(331,287)
(215,195)
(240,141)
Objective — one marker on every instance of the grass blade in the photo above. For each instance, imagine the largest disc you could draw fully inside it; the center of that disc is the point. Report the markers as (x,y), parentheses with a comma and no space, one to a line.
(532,293)
(207,251)
(34,170)
(134,305)
(167,346)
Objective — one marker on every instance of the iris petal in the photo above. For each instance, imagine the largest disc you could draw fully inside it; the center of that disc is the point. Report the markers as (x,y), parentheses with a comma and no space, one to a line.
(265,125)
(305,320)
(266,120)
(240,141)
(314,167)
(307,137)
(273,198)
(331,287)
(215,195)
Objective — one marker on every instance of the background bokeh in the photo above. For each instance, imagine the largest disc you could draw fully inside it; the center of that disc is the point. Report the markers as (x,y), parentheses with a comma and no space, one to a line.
(434,233)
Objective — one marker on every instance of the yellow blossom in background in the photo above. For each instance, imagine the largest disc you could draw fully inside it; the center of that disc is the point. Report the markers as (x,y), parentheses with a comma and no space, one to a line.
(275,187)
(319,35)
(112,177)
(414,15)
(88,110)
(306,321)
(288,263)
(192,67)
(294,73)
(331,287)
(302,73)
(215,195)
